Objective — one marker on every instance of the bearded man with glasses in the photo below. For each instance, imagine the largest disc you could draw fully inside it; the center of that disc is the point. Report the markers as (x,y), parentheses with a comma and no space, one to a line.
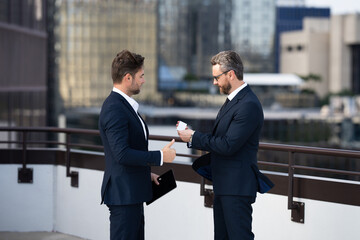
(233,143)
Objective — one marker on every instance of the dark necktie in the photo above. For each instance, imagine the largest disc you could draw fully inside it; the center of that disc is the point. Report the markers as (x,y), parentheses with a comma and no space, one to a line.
(223,107)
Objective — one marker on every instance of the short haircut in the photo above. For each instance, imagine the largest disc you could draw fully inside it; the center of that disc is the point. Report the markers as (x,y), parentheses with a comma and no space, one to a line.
(125,62)
(229,60)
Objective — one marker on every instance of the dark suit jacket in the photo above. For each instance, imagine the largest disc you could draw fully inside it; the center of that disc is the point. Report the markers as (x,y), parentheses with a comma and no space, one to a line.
(233,145)
(127,178)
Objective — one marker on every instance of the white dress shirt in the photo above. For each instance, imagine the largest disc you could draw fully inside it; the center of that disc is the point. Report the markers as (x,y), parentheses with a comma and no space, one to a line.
(236,91)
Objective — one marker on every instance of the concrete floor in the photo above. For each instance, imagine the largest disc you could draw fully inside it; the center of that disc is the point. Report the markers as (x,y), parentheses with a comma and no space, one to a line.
(36,236)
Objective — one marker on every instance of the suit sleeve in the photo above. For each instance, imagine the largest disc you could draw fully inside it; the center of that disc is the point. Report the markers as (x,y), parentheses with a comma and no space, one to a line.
(241,127)
(117,134)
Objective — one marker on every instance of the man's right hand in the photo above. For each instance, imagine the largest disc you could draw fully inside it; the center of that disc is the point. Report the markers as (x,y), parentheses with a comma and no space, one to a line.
(169,153)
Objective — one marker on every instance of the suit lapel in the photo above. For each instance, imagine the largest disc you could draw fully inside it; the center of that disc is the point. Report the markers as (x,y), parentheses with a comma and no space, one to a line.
(232,103)
(132,111)
(146,127)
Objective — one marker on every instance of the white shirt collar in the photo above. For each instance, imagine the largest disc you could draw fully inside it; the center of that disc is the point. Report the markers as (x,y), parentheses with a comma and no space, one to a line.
(130,100)
(236,91)
(135,106)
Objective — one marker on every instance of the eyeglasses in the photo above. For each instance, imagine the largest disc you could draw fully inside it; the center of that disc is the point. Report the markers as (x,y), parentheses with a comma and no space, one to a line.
(216,78)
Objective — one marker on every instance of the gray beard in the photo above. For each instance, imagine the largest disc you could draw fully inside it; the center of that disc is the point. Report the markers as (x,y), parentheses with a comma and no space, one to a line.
(226,89)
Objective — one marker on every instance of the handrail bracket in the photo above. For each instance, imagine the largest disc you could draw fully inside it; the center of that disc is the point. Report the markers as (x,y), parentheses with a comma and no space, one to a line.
(297,208)
(298,212)
(25,175)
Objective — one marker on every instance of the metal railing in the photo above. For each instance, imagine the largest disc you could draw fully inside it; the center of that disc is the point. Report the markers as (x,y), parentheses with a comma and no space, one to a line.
(25,175)
(292,150)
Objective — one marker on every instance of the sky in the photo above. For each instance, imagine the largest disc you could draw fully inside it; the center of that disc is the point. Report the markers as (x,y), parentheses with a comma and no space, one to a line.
(336,6)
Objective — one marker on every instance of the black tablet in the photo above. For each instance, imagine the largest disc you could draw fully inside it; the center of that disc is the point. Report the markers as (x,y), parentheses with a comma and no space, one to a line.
(167,183)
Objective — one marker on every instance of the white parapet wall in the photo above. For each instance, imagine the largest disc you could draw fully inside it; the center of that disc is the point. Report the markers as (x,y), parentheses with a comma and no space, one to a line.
(51,204)
(27,207)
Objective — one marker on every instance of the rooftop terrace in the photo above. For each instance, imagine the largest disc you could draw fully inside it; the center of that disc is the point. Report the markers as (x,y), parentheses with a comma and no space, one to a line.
(51,187)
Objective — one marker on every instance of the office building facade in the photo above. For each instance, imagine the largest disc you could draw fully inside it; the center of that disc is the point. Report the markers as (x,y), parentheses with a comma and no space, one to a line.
(291,19)
(190,33)
(89,34)
(252,33)
(23,57)
(328,48)
(306,53)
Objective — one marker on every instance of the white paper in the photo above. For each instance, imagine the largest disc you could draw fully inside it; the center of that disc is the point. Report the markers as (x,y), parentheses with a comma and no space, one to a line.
(181,126)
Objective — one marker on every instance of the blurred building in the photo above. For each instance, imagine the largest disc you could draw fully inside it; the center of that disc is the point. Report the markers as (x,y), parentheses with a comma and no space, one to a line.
(307,52)
(190,33)
(329,49)
(345,53)
(252,33)
(23,57)
(89,34)
(290,18)
(174,41)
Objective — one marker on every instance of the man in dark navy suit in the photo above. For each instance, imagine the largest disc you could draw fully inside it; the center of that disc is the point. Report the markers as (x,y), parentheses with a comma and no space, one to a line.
(127,178)
(233,146)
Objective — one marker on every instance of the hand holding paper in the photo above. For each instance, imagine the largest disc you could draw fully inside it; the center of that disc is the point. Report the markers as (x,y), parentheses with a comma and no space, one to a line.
(181,126)
(183,131)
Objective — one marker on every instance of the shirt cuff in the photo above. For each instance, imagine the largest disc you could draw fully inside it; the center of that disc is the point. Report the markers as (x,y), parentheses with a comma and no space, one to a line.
(191,138)
(161,158)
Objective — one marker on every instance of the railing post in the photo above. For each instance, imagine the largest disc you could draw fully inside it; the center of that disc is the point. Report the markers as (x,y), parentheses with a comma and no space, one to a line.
(207,193)
(67,156)
(291,181)
(297,208)
(74,175)
(202,187)
(25,175)
(9,118)
(24,146)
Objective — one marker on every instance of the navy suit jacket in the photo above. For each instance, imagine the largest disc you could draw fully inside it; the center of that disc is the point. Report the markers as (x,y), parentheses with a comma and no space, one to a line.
(127,176)
(233,145)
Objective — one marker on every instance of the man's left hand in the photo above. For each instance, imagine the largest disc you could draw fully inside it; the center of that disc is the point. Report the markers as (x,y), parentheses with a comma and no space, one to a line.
(154,178)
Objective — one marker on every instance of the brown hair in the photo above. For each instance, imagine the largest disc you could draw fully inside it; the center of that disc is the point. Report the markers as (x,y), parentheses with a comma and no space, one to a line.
(229,60)
(125,62)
